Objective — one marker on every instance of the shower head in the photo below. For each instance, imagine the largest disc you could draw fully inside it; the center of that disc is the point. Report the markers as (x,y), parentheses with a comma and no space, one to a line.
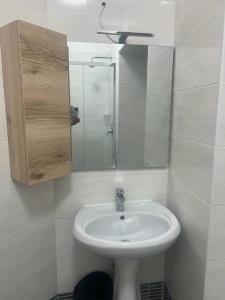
(123,35)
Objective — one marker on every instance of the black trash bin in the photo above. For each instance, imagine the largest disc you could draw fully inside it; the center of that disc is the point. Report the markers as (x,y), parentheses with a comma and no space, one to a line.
(94,286)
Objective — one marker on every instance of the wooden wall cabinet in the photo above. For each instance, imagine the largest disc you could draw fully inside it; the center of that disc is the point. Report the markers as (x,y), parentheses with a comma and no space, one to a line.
(35,73)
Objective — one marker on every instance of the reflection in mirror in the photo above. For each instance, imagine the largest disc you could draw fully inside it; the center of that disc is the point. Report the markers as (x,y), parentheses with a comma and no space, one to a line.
(123,97)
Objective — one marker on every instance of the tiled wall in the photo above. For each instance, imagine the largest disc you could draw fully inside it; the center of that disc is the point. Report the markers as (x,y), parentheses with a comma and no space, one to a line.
(153,16)
(81,188)
(215,267)
(197,166)
(73,261)
(131,106)
(158,106)
(27,228)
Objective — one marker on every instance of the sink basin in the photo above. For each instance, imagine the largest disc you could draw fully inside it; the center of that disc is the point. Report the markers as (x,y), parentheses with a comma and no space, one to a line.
(144,229)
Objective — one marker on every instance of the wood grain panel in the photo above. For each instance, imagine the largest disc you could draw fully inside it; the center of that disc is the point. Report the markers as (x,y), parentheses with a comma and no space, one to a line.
(11,68)
(44,98)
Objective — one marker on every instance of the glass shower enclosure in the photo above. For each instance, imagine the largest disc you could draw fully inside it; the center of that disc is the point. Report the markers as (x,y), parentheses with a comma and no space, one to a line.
(92,90)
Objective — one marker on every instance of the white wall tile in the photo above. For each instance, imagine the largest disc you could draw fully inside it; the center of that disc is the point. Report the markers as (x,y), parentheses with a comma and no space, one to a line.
(31,11)
(65,240)
(80,20)
(192,165)
(219,175)
(154,16)
(184,271)
(158,114)
(193,15)
(21,256)
(98,187)
(196,113)
(70,269)
(27,235)
(152,269)
(198,59)
(196,179)
(214,285)
(216,242)
(160,74)
(192,213)
(23,209)
(156,51)
(220,136)
(41,284)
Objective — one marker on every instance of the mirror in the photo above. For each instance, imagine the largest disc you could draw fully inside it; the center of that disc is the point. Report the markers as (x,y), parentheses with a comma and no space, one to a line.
(122,95)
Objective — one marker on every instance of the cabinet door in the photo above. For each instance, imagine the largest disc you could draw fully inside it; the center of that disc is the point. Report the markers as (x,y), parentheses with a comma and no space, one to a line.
(35,73)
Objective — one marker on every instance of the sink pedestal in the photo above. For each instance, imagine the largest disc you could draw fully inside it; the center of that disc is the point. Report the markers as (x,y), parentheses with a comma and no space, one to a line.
(126,279)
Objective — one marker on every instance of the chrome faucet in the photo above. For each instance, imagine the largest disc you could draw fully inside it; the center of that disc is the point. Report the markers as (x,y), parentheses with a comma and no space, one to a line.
(120,199)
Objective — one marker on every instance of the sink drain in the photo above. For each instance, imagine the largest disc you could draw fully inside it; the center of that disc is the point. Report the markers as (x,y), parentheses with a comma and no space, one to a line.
(125,241)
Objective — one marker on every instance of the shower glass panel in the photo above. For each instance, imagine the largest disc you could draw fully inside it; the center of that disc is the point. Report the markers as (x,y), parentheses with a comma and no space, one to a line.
(92,90)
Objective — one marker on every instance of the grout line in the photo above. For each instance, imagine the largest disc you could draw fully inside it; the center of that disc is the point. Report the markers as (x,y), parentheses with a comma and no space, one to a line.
(27,234)
(216,260)
(192,193)
(194,33)
(28,231)
(196,87)
(160,94)
(164,53)
(113,173)
(32,272)
(219,147)
(192,141)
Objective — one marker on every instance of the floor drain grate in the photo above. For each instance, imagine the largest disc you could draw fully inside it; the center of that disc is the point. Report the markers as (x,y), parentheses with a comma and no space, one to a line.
(149,291)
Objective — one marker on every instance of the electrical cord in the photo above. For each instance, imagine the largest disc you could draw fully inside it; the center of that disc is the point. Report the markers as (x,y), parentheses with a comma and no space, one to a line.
(102,25)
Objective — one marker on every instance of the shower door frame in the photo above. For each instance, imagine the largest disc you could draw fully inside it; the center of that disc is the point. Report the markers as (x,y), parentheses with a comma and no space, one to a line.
(114,135)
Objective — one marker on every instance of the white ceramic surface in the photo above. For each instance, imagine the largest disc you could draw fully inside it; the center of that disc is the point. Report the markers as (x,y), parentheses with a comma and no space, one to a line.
(145,228)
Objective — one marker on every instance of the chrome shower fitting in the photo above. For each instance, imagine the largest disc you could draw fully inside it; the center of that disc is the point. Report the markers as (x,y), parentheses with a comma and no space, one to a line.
(123,35)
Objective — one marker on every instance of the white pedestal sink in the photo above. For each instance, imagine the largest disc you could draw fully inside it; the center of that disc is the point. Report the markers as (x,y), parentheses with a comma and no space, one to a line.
(145,228)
